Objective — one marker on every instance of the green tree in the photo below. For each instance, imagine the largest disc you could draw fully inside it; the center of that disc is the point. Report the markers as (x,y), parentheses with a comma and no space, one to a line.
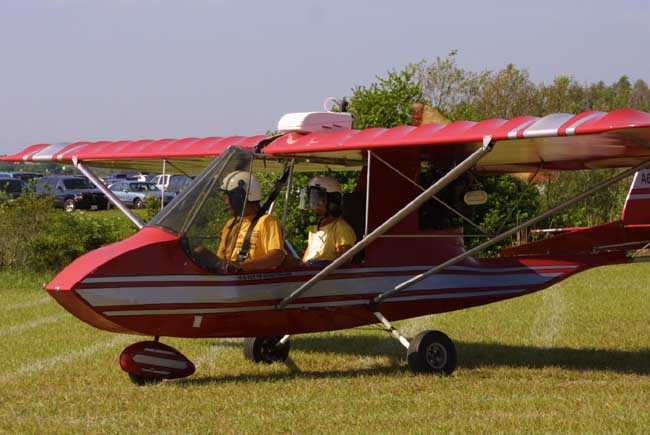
(640,98)
(564,95)
(604,206)
(387,102)
(506,94)
(621,93)
(444,83)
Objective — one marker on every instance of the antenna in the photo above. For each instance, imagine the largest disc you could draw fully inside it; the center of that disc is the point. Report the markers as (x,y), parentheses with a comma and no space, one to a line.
(330,103)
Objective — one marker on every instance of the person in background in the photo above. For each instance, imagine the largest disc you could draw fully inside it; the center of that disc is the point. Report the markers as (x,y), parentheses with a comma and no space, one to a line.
(332,236)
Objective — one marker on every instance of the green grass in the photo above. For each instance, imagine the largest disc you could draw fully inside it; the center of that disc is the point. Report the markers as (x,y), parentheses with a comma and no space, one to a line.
(15,280)
(571,359)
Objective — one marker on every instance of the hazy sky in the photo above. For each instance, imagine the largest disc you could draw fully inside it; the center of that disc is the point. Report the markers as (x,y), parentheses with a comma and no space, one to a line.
(133,69)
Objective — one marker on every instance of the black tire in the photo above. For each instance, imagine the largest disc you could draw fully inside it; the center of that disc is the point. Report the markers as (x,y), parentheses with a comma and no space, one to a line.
(266,349)
(69,205)
(142,381)
(432,352)
(137,203)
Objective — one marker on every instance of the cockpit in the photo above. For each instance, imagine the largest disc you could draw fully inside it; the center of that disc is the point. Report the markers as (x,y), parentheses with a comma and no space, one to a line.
(200,213)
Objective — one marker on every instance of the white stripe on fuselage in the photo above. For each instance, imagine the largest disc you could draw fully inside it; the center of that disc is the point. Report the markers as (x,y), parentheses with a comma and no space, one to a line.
(159,312)
(275,275)
(207,294)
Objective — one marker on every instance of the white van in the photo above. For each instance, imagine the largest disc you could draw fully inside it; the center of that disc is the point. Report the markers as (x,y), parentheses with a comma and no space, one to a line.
(171,183)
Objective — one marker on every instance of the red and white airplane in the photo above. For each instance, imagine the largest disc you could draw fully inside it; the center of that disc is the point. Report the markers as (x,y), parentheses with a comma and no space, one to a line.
(154,284)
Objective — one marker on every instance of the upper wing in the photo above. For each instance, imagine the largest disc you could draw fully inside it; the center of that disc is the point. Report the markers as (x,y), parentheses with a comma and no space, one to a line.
(190,154)
(557,141)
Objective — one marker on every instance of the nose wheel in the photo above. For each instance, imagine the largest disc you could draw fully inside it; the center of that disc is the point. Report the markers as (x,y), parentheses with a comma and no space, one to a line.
(267,349)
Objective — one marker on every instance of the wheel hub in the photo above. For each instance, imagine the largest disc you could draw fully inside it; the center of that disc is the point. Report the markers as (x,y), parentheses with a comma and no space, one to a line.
(436,355)
(269,349)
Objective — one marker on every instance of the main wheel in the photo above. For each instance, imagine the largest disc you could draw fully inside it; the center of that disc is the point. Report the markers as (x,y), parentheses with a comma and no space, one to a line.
(137,203)
(141,381)
(69,205)
(266,349)
(432,352)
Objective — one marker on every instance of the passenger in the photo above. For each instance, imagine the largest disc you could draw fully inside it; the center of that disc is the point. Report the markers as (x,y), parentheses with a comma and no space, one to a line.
(333,235)
(266,241)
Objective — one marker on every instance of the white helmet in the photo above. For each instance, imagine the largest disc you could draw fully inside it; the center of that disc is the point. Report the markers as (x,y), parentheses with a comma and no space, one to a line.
(324,182)
(322,192)
(242,179)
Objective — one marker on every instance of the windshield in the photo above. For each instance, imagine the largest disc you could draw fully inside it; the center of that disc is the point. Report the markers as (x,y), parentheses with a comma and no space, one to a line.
(77,183)
(215,202)
(200,211)
(144,187)
(11,186)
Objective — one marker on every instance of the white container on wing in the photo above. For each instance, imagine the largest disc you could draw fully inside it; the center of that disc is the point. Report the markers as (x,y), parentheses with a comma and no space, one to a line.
(311,122)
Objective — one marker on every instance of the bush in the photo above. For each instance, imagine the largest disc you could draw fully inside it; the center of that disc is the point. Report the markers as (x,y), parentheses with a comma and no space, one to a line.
(21,221)
(38,238)
(70,235)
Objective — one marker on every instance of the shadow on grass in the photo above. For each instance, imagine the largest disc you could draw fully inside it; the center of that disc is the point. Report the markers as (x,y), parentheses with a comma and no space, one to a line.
(477,355)
(470,356)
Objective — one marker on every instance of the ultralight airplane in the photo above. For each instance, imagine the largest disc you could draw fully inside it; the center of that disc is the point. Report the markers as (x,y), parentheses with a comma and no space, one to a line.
(406,263)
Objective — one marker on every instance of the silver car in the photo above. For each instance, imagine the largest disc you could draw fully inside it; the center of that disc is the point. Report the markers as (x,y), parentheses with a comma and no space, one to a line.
(134,193)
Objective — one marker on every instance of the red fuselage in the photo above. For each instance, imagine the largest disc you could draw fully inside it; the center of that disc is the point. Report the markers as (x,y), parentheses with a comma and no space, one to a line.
(147,285)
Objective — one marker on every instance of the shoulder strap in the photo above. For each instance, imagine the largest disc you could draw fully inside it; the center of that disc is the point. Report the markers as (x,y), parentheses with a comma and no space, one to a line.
(245,247)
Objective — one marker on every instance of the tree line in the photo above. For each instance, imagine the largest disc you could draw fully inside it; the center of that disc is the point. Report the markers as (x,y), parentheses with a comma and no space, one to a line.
(459,94)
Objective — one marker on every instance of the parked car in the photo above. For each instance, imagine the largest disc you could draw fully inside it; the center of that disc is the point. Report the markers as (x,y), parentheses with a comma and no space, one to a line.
(25,176)
(12,187)
(130,176)
(134,193)
(71,192)
(171,183)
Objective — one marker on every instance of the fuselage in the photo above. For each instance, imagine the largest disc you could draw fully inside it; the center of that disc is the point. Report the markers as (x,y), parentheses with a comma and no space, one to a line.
(148,285)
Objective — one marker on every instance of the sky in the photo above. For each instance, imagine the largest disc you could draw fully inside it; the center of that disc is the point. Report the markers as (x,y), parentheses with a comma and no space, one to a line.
(134,69)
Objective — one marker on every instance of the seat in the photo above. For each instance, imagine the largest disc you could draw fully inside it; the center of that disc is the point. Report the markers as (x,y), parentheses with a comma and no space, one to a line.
(354,213)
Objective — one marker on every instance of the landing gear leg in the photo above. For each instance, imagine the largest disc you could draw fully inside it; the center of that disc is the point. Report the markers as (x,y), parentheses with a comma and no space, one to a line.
(267,349)
(428,352)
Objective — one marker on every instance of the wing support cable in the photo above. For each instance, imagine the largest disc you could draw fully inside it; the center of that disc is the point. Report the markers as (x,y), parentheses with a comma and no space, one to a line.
(165,163)
(164,185)
(108,192)
(510,232)
(456,172)
(287,196)
(443,203)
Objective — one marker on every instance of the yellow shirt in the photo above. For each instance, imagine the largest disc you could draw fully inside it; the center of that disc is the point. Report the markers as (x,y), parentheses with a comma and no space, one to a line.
(322,242)
(266,236)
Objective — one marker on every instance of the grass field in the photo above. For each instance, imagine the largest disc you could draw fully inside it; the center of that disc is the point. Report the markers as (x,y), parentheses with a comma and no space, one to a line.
(572,359)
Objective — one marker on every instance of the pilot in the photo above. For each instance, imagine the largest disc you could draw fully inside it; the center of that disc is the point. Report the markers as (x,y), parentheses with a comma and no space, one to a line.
(265,250)
(333,235)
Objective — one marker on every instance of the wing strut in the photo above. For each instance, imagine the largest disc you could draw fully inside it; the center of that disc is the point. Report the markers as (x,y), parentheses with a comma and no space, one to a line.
(510,232)
(106,191)
(457,171)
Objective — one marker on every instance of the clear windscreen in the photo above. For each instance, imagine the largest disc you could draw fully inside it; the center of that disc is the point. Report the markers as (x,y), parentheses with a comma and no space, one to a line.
(202,204)
(201,211)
